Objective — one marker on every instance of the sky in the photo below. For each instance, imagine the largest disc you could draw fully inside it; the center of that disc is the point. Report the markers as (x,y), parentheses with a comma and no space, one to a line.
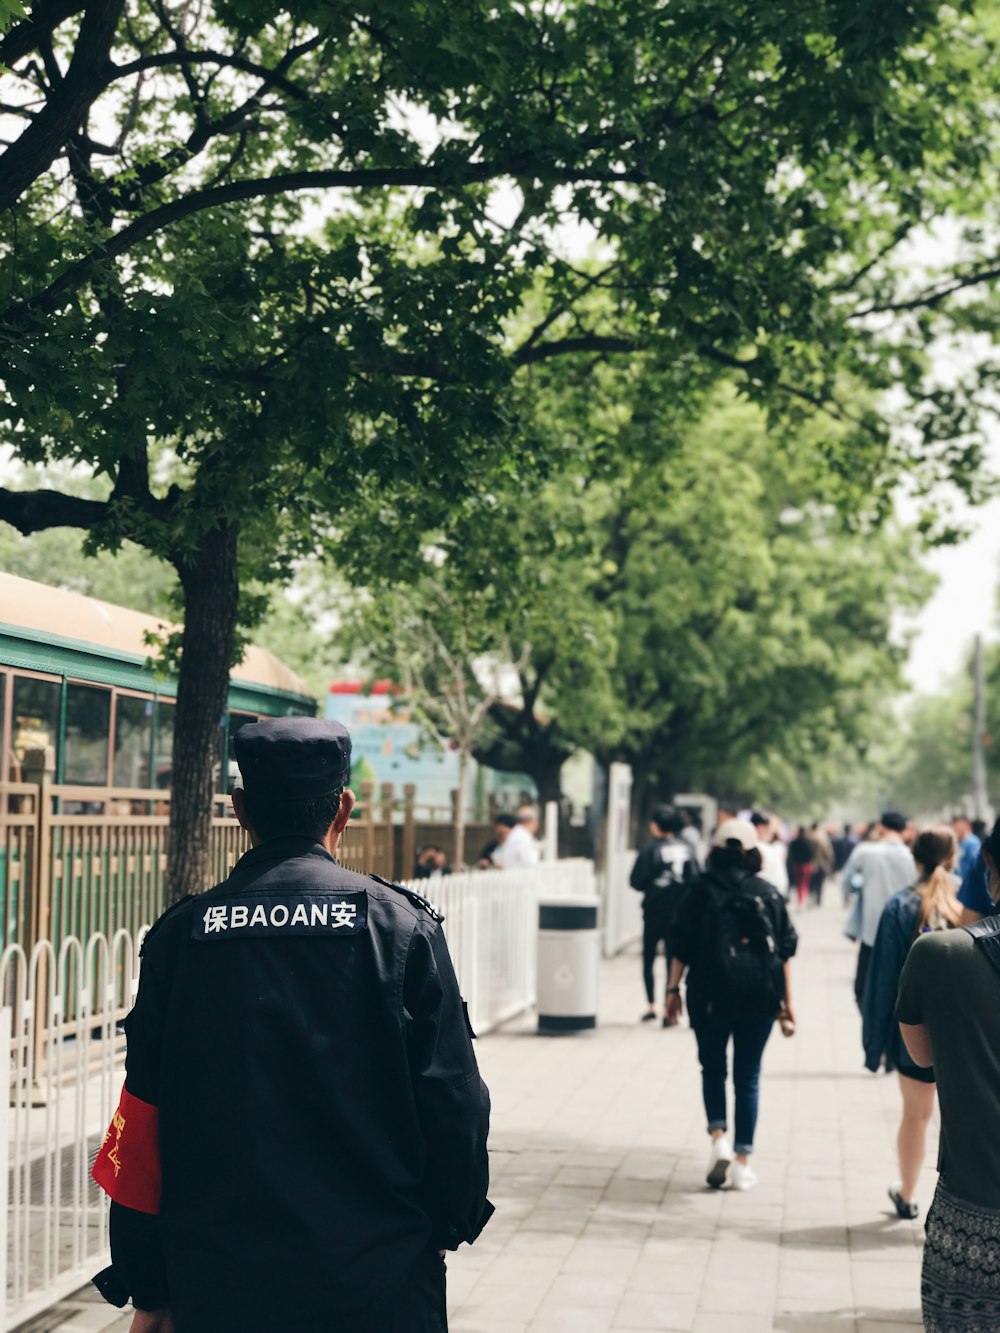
(965,602)
(963,605)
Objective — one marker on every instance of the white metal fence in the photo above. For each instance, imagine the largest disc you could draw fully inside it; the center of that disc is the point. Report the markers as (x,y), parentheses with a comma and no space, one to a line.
(60,1022)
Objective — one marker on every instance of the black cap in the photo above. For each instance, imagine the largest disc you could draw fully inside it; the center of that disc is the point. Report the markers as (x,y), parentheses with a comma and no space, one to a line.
(293,758)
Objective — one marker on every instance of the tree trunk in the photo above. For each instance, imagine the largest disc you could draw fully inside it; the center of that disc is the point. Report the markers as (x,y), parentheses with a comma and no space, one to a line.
(210,580)
(546,775)
(460,809)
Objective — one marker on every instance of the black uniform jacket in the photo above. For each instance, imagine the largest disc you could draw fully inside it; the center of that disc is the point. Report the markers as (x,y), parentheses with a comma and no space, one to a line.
(300,1054)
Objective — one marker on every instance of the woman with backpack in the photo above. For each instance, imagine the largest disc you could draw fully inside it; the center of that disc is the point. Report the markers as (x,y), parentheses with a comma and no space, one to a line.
(949,1015)
(930,905)
(733,936)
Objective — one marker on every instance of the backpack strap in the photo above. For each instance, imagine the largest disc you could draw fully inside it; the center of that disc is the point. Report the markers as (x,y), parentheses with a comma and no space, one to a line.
(986,934)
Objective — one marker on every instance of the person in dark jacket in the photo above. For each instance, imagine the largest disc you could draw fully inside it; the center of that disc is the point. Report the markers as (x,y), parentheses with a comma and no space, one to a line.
(931,904)
(735,939)
(662,872)
(801,864)
(302,1132)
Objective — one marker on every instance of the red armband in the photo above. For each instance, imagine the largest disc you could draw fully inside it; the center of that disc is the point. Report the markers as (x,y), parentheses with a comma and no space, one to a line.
(128,1165)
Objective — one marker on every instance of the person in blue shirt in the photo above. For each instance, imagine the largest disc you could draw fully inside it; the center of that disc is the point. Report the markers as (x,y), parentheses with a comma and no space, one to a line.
(969,847)
(974,893)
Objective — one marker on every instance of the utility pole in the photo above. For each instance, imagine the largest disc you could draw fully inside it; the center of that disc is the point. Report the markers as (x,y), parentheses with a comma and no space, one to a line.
(979,797)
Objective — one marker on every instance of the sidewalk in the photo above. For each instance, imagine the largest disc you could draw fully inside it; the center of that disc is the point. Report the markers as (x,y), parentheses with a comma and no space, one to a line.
(603,1218)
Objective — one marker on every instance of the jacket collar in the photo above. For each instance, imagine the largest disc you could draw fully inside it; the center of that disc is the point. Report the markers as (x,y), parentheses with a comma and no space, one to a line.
(273,850)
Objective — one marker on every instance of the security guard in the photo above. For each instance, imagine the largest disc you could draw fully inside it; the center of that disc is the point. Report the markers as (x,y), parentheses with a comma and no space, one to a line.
(302,1131)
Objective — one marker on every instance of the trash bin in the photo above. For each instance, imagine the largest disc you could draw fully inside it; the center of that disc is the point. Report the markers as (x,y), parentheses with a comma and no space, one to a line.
(569,953)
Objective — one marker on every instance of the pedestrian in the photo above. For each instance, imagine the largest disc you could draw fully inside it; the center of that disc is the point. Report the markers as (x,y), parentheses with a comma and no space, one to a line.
(663,870)
(969,847)
(843,841)
(974,893)
(734,937)
(300,1077)
(520,847)
(843,846)
(930,904)
(503,826)
(773,852)
(800,866)
(691,833)
(822,862)
(875,871)
(949,1015)
(432,862)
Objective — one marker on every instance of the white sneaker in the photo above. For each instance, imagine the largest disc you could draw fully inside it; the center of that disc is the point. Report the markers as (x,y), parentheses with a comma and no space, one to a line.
(718,1163)
(743,1178)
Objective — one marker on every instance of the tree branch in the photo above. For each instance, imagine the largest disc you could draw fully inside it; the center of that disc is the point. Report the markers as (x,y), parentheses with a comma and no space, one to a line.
(365,178)
(527,354)
(166,59)
(37,147)
(928,300)
(589,282)
(33,511)
(898,236)
(26,37)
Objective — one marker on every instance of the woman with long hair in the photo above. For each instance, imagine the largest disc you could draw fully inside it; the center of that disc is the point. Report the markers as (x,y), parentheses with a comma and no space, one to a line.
(949,1014)
(931,904)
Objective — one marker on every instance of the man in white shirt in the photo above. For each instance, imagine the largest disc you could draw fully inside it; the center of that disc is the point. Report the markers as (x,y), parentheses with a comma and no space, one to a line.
(877,870)
(521,847)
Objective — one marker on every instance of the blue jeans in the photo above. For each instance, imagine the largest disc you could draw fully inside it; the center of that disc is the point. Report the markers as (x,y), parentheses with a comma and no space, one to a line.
(749,1034)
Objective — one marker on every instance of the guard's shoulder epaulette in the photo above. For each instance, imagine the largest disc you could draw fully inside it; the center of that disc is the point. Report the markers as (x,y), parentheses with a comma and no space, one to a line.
(417,899)
(165,916)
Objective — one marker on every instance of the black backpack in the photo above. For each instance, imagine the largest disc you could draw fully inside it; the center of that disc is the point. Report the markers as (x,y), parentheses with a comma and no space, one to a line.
(742,947)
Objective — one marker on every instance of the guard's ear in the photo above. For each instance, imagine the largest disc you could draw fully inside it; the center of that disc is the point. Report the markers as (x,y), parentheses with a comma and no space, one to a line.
(239,799)
(343,815)
(240,807)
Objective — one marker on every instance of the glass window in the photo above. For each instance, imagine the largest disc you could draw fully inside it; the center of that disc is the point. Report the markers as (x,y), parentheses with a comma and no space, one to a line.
(133,741)
(34,719)
(163,768)
(88,720)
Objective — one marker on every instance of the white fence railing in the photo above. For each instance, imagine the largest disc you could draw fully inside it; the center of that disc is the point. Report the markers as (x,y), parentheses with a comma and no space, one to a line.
(621,921)
(60,1017)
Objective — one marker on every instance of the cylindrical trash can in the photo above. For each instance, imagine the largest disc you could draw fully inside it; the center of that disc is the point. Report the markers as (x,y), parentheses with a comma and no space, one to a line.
(569,953)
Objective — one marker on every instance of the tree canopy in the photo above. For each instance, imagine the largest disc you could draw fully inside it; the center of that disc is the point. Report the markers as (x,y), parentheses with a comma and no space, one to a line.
(696,606)
(279,280)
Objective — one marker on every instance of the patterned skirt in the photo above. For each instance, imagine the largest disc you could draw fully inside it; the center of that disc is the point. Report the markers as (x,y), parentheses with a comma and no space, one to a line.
(960,1286)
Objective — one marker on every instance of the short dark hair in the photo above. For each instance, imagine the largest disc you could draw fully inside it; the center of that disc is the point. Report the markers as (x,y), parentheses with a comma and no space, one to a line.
(759,820)
(667,820)
(291,819)
(893,821)
(506,820)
